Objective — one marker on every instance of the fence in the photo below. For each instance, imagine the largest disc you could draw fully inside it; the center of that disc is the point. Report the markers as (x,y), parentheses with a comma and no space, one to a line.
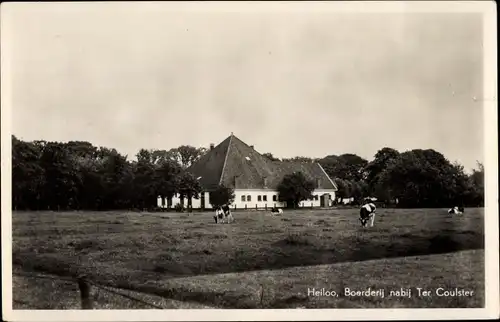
(235,207)
(85,285)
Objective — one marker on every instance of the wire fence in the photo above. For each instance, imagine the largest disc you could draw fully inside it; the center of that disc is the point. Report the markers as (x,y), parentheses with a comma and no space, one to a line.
(85,286)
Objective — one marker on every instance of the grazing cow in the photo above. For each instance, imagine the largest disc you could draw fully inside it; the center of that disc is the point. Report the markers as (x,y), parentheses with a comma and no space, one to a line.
(276,210)
(456,211)
(366,213)
(219,214)
(223,214)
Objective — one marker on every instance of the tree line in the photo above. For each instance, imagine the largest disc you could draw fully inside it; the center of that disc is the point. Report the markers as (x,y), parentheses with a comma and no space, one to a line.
(78,175)
(415,178)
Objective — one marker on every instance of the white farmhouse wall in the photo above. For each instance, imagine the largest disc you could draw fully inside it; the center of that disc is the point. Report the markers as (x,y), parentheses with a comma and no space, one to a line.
(266,199)
(251,199)
(207,201)
(315,201)
(269,202)
(345,201)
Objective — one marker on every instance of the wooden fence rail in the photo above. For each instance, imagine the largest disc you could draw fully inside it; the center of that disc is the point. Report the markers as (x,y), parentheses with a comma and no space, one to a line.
(85,286)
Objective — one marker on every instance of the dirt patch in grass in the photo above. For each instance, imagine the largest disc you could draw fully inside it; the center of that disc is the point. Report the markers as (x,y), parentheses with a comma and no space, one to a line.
(322,222)
(297,240)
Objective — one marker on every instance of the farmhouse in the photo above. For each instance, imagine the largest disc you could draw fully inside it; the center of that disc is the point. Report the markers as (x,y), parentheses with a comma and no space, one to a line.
(253,177)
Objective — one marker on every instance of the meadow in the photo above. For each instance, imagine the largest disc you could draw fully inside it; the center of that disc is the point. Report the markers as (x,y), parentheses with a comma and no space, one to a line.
(181,260)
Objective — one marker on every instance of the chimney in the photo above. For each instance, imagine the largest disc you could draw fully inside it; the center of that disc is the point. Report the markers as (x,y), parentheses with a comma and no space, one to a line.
(251,146)
(211,146)
(318,182)
(265,182)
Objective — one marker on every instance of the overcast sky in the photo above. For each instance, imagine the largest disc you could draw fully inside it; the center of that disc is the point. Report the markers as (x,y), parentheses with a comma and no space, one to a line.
(136,77)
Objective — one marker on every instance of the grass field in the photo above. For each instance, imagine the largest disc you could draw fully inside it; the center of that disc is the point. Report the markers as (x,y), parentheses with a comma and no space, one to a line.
(260,261)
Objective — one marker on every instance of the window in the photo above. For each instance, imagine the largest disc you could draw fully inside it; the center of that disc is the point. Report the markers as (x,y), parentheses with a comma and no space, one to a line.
(259,198)
(264,198)
(243,198)
(249,198)
(316,197)
(274,198)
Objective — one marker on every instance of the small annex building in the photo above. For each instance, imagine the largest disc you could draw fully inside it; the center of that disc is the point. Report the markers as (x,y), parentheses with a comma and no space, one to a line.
(254,177)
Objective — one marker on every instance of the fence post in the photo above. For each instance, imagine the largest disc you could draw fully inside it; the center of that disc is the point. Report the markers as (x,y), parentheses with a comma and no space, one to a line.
(245,206)
(255,206)
(265,206)
(262,295)
(84,293)
(311,205)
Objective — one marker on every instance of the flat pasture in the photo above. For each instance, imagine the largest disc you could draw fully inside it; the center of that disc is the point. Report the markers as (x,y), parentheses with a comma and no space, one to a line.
(260,261)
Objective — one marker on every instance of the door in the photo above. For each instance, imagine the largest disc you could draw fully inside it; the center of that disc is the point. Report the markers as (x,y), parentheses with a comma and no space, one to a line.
(325,200)
(202,200)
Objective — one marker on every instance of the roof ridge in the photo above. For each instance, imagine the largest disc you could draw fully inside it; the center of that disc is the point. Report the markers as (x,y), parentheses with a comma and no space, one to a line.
(225,158)
(333,183)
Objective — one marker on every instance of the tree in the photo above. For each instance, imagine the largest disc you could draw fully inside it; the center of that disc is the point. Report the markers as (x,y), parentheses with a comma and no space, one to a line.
(91,189)
(61,177)
(300,159)
(144,172)
(344,188)
(28,177)
(351,189)
(359,190)
(160,156)
(270,156)
(295,188)
(166,178)
(374,168)
(189,187)
(222,196)
(346,166)
(186,155)
(116,180)
(475,191)
(423,178)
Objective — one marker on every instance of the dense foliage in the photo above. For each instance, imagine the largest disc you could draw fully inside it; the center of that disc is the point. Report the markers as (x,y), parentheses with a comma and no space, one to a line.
(221,196)
(294,188)
(78,175)
(416,178)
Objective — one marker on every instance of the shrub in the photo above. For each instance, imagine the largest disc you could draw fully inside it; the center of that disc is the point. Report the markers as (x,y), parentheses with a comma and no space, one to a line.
(222,196)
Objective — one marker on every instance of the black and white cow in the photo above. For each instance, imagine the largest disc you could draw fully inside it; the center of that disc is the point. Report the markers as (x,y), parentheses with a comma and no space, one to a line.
(275,210)
(366,213)
(456,211)
(223,215)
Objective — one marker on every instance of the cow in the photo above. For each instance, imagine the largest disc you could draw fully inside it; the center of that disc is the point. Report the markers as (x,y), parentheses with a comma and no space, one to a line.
(223,214)
(456,211)
(366,213)
(275,210)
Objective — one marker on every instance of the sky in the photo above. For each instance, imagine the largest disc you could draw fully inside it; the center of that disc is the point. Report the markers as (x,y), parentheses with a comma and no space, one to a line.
(293,84)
